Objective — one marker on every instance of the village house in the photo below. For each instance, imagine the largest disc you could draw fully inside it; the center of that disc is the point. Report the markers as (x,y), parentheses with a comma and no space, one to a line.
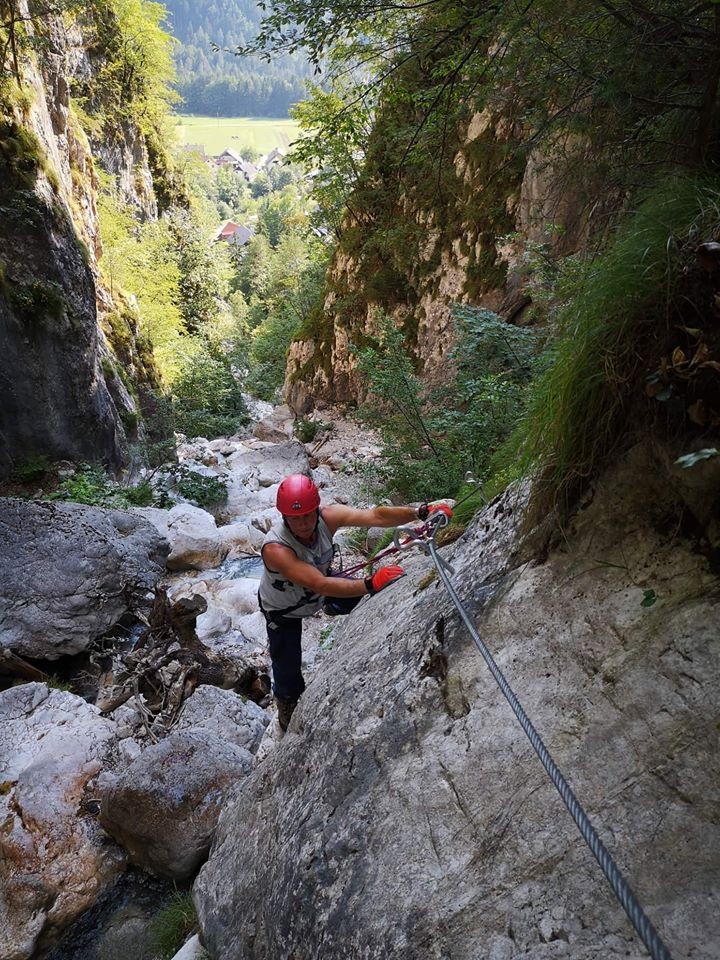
(235,234)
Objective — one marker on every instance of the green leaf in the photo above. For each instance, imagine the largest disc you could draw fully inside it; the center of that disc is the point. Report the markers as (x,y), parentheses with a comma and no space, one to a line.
(649,598)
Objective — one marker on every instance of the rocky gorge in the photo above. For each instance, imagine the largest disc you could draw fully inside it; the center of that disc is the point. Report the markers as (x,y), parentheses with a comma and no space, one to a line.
(94,783)
(403,814)
(502,252)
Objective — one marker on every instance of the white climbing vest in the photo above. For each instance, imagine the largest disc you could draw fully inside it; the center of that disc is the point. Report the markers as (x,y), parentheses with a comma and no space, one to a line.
(283,598)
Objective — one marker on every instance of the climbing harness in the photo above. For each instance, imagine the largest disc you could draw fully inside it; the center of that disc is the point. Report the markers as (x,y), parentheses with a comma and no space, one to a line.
(426,541)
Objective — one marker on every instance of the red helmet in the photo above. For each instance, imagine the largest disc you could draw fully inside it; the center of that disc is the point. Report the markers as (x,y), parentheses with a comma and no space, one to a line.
(297,496)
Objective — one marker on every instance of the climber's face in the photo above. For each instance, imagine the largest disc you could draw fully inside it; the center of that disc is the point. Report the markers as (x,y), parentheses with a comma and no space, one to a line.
(303,527)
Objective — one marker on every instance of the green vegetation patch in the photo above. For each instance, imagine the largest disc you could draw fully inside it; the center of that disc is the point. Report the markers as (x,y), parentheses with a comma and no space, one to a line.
(37,302)
(173,926)
(21,153)
(611,377)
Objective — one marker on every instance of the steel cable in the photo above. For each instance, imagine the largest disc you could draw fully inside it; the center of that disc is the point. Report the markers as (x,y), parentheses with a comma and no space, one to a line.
(646,931)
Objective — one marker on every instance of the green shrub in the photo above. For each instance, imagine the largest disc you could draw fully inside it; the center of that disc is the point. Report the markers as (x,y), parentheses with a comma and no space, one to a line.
(88,485)
(173,926)
(33,467)
(432,440)
(92,486)
(37,301)
(129,420)
(200,490)
(142,495)
(306,430)
(616,314)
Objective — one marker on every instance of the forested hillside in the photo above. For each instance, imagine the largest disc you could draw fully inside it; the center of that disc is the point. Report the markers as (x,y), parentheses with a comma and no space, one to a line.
(216,82)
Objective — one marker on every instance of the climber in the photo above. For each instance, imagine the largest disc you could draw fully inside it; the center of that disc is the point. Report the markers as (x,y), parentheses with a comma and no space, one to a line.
(296,580)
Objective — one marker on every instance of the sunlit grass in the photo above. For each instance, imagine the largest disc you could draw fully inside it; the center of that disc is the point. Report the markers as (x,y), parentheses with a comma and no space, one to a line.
(215,134)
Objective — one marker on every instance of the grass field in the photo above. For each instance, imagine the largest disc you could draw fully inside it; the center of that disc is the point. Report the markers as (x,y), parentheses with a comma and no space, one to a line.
(217,133)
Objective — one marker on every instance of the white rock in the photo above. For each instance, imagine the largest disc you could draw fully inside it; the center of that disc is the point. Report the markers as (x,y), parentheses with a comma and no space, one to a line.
(243,501)
(240,538)
(252,626)
(322,477)
(51,744)
(226,715)
(264,520)
(266,478)
(195,542)
(237,597)
(192,950)
(215,622)
(223,446)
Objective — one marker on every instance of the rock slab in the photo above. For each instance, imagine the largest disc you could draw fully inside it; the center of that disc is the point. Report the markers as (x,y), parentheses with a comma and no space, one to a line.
(55,861)
(70,572)
(405,814)
(163,808)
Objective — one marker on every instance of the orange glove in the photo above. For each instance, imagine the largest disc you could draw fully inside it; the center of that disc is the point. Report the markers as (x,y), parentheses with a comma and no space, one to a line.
(382,578)
(425,509)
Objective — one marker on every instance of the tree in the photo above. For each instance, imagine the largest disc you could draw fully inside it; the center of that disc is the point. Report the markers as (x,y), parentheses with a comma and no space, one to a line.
(200,282)
(336,129)
(625,84)
(251,276)
(231,187)
(260,186)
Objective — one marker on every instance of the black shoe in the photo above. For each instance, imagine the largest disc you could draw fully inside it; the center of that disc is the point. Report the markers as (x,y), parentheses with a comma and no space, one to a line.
(285,710)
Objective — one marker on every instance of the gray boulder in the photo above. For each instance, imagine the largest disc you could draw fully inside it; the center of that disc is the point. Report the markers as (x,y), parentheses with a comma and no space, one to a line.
(70,572)
(225,715)
(405,814)
(55,861)
(163,808)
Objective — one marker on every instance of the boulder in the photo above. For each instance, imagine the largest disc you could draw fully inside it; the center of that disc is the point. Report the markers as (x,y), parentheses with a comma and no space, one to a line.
(193,535)
(241,538)
(215,622)
(276,427)
(55,861)
(405,814)
(163,808)
(279,459)
(252,626)
(237,597)
(245,502)
(70,572)
(225,715)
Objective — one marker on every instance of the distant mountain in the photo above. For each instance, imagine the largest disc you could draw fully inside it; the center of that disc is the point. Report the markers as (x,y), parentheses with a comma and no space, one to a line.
(219,83)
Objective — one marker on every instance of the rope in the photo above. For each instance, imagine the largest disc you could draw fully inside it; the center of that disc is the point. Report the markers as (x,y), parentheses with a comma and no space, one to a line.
(647,933)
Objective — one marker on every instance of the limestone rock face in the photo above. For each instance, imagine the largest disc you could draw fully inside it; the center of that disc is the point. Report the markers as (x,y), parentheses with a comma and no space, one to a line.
(163,808)
(56,399)
(55,861)
(226,715)
(405,813)
(69,573)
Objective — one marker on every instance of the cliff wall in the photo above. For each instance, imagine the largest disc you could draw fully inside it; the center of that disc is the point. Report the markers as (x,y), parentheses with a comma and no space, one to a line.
(449,231)
(62,393)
